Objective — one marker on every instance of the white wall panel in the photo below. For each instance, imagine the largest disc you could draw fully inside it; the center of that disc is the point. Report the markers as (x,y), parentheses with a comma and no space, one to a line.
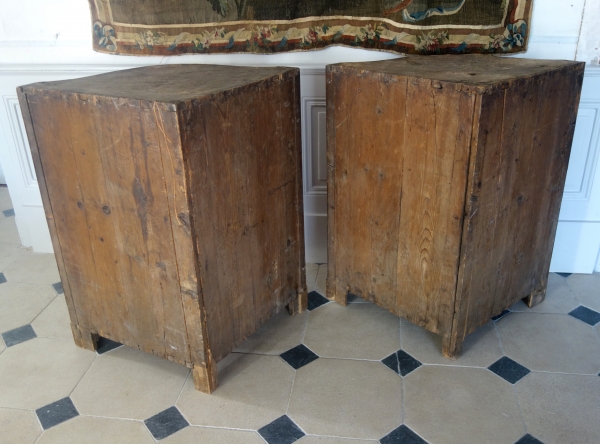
(38,42)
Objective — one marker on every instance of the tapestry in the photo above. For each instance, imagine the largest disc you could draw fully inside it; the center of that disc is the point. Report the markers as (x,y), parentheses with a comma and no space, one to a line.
(170,27)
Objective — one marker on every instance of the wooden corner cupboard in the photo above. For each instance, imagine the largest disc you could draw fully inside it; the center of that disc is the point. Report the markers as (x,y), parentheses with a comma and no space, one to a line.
(173,195)
(445,180)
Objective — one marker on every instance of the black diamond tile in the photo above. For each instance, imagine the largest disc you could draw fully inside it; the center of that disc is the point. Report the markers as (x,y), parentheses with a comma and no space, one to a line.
(501,315)
(105,345)
(18,335)
(281,431)
(586,315)
(58,288)
(57,412)
(406,363)
(565,275)
(10,212)
(2,278)
(392,362)
(315,300)
(401,362)
(528,439)
(509,370)
(299,356)
(402,435)
(166,423)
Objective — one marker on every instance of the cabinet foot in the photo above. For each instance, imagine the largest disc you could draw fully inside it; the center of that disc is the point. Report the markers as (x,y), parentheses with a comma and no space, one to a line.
(205,377)
(535,297)
(451,346)
(299,303)
(337,294)
(84,338)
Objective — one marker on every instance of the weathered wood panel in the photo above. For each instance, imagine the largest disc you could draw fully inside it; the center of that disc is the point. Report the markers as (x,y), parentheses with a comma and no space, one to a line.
(248,251)
(515,191)
(174,198)
(456,165)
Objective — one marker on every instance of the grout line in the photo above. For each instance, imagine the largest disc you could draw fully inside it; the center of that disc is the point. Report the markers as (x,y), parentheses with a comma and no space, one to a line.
(563,373)
(305,327)
(519,406)
(291,391)
(111,417)
(403,418)
(348,438)
(43,309)
(221,428)
(83,376)
(499,339)
(182,387)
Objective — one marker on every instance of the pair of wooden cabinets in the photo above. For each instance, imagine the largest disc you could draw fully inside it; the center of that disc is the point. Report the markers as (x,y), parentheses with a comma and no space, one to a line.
(174,195)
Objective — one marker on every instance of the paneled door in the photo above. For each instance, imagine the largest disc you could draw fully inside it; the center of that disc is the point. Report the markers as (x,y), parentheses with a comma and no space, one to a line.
(577,244)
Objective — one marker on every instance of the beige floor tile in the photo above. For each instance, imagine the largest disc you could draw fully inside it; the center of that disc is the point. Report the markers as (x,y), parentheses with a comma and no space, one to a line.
(346,398)
(90,430)
(550,342)
(311,278)
(54,321)
(311,439)
(21,303)
(278,335)
(213,436)
(2,346)
(559,298)
(321,282)
(448,405)
(480,349)
(10,252)
(5,201)
(8,231)
(253,391)
(41,371)
(18,426)
(33,268)
(586,288)
(358,331)
(560,408)
(128,383)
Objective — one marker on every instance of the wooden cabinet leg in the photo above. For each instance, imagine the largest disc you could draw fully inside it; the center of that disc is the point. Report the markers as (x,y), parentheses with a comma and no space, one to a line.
(83,338)
(205,377)
(298,303)
(451,346)
(535,297)
(337,294)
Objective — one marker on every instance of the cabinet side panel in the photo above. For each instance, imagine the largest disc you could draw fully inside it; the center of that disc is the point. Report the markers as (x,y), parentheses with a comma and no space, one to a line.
(104,176)
(53,127)
(437,137)
(401,159)
(39,171)
(366,145)
(129,151)
(523,146)
(241,153)
(176,184)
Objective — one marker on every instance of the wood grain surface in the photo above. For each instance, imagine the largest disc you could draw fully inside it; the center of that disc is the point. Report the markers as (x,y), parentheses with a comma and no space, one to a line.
(445,181)
(176,214)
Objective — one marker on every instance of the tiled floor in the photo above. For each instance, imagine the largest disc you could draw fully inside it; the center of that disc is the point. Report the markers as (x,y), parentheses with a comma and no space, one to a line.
(332,375)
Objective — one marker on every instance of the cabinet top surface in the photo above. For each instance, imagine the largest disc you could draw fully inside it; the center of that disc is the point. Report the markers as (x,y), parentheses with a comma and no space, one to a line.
(163,83)
(470,69)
